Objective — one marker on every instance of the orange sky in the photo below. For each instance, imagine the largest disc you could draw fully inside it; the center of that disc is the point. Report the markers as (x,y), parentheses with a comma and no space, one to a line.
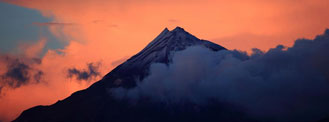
(109,31)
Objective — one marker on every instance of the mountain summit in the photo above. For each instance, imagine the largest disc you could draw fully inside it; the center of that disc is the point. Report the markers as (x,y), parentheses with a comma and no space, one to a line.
(160,50)
(97,102)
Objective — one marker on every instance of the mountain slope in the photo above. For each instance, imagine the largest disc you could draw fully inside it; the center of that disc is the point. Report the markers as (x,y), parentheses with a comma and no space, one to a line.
(96,103)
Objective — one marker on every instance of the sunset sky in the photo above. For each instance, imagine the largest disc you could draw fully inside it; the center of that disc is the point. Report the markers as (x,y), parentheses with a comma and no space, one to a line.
(52,42)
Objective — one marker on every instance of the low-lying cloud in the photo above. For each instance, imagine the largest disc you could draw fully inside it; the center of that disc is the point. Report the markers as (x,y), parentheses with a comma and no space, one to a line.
(283,84)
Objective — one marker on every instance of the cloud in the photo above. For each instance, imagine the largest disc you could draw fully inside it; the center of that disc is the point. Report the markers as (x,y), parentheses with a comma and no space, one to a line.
(19,71)
(28,50)
(17,74)
(283,84)
(85,74)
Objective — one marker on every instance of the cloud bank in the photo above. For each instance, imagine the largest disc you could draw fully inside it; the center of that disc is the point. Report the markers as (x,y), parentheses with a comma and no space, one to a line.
(283,84)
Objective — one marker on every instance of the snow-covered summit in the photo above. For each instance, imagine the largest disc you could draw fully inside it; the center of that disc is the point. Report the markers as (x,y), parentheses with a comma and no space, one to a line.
(160,50)
(177,37)
(168,42)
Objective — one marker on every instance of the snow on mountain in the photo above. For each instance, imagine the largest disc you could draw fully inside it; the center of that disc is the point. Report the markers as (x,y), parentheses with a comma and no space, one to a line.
(168,41)
(160,50)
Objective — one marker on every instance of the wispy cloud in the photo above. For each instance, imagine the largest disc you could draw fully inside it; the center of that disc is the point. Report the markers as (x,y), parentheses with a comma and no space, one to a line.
(52,24)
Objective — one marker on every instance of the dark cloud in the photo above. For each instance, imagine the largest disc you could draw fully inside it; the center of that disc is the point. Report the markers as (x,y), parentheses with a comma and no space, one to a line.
(85,74)
(19,72)
(283,84)
(52,24)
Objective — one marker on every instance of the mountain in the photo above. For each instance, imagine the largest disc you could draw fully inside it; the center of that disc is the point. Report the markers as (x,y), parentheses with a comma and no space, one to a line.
(97,104)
